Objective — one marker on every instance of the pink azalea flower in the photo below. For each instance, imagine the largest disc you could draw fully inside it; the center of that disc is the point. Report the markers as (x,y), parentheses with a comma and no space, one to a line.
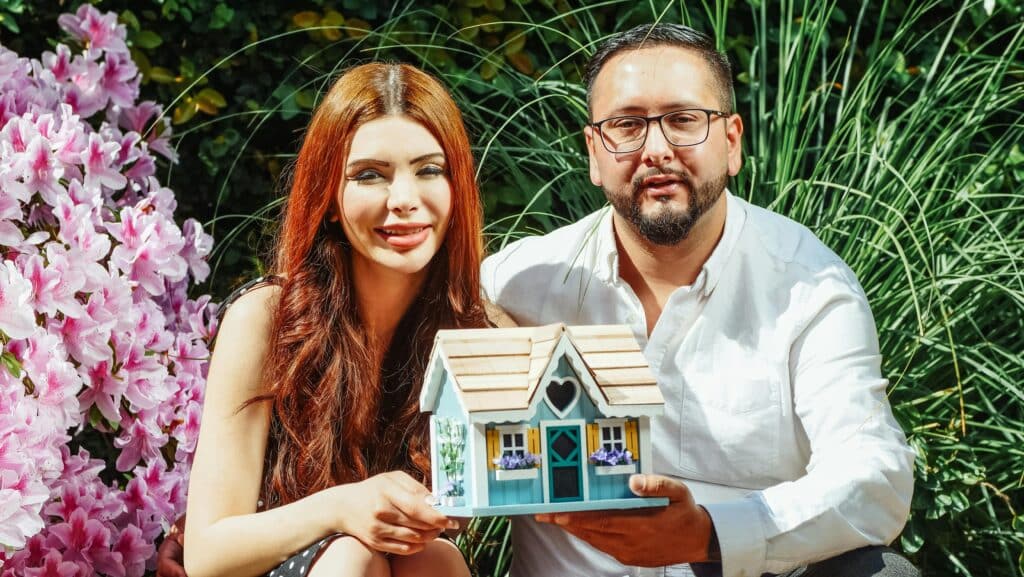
(71,140)
(145,378)
(104,390)
(198,246)
(40,170)
(135,550)
(150,249)
(53,565)
(140,439)
(98,158)
(20,503)
(87,339)
(98,31)
(54,288)
(16,315)
(82,538)
(120,79)
(138,119)
(59,63)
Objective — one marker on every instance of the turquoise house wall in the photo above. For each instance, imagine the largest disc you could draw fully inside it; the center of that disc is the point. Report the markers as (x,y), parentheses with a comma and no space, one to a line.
(531,490)
(448,406)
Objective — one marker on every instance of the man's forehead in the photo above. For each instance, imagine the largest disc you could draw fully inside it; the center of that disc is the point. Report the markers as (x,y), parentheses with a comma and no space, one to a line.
(652,77)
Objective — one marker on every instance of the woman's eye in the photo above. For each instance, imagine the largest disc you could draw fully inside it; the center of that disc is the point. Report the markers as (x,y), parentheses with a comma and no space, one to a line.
(431,170)
(366,175)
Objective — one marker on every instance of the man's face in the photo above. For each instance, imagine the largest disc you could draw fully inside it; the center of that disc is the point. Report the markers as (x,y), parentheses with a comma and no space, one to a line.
(662,189)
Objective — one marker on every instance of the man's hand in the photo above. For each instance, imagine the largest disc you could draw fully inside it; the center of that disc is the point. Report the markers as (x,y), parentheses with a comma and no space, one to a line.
(170,558)
(676,533)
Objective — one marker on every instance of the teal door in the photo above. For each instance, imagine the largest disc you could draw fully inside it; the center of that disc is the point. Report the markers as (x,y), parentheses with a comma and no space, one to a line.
(565,464)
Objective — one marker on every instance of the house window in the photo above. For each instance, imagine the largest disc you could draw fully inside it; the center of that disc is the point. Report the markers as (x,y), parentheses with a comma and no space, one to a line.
(513,440)
(613,437)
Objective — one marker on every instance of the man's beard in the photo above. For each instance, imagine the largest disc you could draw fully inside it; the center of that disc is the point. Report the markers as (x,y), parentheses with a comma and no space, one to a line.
(668,227)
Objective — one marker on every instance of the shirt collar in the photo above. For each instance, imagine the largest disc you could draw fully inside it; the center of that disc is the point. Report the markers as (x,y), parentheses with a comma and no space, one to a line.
(608,255)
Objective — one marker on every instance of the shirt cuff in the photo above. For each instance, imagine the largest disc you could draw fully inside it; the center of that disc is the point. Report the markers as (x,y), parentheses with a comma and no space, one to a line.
(740,536)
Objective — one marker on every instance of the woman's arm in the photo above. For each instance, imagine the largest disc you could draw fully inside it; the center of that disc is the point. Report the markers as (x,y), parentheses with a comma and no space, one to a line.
(224,533)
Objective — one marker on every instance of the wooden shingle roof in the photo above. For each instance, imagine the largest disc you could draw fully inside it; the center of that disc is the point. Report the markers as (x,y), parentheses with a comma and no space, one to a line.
(501,369)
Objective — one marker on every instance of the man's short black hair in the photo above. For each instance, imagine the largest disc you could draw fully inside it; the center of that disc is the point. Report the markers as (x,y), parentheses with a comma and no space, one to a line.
(664,34)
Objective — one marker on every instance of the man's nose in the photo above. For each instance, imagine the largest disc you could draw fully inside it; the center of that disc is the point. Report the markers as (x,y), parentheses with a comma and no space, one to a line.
(657,150)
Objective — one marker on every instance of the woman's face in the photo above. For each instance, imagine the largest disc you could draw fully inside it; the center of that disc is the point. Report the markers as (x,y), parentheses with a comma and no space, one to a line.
(395,198)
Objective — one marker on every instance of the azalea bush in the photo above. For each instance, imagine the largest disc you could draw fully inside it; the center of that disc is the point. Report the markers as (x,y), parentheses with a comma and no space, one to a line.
(104,353)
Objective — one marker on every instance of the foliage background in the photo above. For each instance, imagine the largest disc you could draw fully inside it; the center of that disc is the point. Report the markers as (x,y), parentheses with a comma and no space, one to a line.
(892,128)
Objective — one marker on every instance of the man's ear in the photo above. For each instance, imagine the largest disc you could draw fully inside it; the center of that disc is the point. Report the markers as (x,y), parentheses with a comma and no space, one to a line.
(595,174)
(734,140)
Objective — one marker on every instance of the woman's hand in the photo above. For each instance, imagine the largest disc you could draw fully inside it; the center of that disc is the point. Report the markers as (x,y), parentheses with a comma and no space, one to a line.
(390,513)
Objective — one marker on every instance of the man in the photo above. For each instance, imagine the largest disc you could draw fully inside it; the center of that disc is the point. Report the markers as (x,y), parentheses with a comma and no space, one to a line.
(777,448)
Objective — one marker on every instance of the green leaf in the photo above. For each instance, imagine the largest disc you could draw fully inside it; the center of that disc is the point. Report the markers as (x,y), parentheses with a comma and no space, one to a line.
(9,24)
(222,16)
(148,39)
(213,97)
(162,75)
(911,540)
(11,363)
(306,19)
(129,19)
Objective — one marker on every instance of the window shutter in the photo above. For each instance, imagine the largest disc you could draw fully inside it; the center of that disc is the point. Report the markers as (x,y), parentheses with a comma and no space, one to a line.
(533,441)
(493,448)
(632,440)
(592,439)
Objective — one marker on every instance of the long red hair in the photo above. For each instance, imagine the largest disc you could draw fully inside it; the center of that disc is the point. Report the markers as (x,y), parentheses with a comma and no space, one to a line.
(337,418)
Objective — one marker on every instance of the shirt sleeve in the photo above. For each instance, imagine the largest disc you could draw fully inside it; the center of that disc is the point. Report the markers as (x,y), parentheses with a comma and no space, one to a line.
(859,480)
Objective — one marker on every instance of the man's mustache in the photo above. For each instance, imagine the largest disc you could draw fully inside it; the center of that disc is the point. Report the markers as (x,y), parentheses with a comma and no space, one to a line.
(639,180)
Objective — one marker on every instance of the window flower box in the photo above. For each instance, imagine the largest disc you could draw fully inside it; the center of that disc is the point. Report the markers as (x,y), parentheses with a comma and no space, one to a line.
(613,462)
(514,467)
(515,474)
(626,469)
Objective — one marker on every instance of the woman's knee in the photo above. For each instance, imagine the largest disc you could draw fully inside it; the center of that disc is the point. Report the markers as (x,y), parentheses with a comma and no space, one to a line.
(440,558)
(348,557)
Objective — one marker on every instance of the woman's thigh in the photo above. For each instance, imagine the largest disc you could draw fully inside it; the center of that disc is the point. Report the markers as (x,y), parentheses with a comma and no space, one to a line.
(440,558)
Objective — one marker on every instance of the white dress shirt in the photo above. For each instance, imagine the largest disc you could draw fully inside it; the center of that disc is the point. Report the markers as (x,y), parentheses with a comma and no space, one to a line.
(776,414)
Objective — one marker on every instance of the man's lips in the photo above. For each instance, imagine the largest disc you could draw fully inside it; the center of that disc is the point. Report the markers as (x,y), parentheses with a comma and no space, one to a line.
(404,236)
(661,186)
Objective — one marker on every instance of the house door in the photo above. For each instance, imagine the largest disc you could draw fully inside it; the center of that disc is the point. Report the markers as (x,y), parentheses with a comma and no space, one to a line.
(565,465)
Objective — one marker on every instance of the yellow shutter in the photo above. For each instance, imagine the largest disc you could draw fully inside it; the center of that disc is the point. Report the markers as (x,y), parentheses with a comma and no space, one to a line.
(592,438)
(632,440)
(533,440)
(493,448)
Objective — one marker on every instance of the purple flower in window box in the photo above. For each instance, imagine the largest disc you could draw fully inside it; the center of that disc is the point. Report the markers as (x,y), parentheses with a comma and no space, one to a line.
(604,457)
(512,461)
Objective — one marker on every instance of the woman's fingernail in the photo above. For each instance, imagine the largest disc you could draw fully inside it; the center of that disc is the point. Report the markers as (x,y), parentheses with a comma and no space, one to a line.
(453,524)
(432,500)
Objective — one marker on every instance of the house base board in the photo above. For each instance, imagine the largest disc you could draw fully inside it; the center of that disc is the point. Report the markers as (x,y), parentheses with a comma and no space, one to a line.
(567,507)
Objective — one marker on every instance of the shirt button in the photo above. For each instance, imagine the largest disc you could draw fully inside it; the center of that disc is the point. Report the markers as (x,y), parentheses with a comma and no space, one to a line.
(631,319)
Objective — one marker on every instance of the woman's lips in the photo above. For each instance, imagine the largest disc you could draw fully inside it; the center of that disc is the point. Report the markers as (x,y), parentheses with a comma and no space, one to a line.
(405,236)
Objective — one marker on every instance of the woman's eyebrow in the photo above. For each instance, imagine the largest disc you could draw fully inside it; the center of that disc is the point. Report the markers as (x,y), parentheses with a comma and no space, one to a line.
(421,158)
(428,156)
(361,161)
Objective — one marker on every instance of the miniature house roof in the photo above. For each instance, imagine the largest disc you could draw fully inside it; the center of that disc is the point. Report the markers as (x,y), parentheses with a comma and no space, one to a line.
(500,370)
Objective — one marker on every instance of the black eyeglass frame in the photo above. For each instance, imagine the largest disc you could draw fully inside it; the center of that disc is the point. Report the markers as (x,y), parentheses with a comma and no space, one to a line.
(647,124)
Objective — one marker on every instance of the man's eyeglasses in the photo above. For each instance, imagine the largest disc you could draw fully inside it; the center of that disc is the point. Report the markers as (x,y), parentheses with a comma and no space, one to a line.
(688,127)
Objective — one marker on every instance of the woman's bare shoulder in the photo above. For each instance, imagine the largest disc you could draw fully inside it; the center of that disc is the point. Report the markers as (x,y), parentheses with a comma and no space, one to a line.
(250,314)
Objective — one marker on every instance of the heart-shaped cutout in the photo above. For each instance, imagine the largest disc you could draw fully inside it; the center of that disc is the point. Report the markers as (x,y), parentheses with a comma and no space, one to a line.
(561,393)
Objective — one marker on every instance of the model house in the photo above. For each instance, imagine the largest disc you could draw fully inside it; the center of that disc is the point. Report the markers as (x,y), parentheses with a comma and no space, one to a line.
(539,419)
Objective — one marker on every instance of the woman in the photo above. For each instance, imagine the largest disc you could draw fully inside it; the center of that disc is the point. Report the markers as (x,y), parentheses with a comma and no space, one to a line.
(315,379)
